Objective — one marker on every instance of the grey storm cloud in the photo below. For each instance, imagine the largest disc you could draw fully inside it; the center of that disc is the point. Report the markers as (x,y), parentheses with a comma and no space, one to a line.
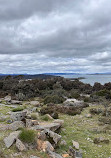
(55,35)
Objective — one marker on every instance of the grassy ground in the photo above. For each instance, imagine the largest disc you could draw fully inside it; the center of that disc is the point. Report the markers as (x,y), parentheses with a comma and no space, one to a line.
(83,130)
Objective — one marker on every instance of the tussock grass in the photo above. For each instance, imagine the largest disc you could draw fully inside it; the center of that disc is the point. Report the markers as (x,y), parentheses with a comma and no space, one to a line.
(27,136)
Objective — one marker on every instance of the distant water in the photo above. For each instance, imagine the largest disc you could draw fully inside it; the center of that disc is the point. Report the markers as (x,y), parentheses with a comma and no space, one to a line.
(91,79)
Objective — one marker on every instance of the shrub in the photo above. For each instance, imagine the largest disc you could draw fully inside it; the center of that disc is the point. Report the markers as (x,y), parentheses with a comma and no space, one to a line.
(53,111)
(73,112)
(103,92)
(27,136)
(18,109)
(105,120)
(74,94)
(45,118)
(34,116)
(86,99)
(54,99)
(96,111)
(1,85)
(55,115)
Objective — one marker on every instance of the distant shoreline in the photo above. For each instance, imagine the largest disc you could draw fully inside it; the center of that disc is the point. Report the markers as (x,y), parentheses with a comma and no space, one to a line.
(78,78)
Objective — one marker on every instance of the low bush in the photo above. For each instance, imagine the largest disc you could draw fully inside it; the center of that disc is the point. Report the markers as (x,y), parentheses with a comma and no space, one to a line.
(103,92)
(34,116)
(105,120)
(87,99)
(55,115)
(60,109)
(74,94)
(96,111)
(51,111)
(27,136)
(45,118)
(54,99)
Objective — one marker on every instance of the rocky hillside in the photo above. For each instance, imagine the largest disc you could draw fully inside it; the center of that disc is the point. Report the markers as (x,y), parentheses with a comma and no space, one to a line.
(54,118)
(73,129)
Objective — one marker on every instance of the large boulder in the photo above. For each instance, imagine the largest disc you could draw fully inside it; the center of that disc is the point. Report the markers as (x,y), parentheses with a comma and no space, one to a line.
(44,146)
(13,126)
(51,126)
(51,136)
(54,137)
(16,125)
(18,116)
(11,138)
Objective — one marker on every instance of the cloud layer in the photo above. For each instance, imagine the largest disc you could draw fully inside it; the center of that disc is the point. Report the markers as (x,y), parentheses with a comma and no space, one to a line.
(38,36)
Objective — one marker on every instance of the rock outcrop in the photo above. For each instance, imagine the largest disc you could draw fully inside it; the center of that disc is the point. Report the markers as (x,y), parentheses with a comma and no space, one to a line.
(18,116)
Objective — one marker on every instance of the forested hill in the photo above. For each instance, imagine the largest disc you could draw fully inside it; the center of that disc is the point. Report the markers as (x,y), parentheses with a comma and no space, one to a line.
(26,76)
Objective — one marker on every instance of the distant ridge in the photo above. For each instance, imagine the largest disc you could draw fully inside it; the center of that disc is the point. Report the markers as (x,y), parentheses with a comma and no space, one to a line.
(28,76)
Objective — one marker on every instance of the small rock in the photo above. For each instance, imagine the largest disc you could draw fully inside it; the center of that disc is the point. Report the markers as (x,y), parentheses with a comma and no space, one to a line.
(101,140)
(29,123)
(17,154)
(42,135)
(49,117)
(11,138)
(74,153)
(53,155)
(75,145)
(34,109)
(34,156)
(35,103)
(63,142)
(7,98)
(65,155)
(88,116)
(35,122)
(9,121)
(20,146)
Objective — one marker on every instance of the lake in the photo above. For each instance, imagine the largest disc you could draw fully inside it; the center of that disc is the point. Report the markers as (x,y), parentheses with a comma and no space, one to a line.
(91,79)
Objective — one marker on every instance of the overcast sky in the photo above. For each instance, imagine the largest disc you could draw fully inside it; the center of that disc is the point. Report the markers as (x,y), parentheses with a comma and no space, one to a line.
(39,36)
